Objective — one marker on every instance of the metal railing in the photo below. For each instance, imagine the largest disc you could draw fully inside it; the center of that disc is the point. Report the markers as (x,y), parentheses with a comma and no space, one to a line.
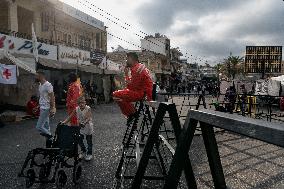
(254,106)
(267,132)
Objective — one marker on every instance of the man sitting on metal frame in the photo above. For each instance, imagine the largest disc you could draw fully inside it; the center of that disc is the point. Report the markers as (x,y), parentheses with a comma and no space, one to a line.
(138,85)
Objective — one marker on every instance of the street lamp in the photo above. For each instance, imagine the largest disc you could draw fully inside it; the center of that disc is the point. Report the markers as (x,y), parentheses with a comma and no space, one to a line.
(219,81)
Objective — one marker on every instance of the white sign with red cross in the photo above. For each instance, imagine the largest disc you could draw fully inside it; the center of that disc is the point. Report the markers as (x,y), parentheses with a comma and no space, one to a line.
(8,74)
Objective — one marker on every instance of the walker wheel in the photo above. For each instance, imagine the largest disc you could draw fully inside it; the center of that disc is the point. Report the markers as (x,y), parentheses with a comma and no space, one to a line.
(61,179)
(30,179)
(77,173)
(44,173)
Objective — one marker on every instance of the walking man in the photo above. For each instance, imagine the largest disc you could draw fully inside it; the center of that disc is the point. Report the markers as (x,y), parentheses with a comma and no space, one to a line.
(46,104)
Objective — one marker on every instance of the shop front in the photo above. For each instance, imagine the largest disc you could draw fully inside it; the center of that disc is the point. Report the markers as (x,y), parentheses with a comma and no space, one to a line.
(18,52)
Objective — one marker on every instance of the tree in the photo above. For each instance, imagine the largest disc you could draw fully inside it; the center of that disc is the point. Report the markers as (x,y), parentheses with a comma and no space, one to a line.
(234,66)
(219,68)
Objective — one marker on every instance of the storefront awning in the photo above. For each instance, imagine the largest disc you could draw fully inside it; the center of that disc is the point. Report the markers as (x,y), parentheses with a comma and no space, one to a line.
(26,64)
(90,69)
(69,66)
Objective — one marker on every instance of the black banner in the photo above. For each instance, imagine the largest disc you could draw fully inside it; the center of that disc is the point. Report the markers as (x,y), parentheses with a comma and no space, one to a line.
(97,57)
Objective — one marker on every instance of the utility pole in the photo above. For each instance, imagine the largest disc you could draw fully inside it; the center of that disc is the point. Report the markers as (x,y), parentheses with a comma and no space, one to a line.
(77,66)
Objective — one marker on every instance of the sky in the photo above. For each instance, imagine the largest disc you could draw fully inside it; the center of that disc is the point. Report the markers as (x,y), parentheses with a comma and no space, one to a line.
(206,29)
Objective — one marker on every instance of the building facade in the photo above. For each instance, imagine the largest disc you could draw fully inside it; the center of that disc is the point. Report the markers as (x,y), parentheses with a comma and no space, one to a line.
(176,62)
(263,59)
(66,39)
(158,43)
(282,67)
(207,71)
(193,71)
(54,22)
(156,63)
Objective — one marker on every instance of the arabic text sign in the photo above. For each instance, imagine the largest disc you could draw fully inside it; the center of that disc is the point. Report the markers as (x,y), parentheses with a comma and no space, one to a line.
(71,55)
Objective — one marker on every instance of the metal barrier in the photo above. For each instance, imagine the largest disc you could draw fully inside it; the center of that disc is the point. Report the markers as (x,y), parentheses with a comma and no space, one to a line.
(261,130)
(134,144)
(146,140)
(153,140)
(141,147)
(255,106)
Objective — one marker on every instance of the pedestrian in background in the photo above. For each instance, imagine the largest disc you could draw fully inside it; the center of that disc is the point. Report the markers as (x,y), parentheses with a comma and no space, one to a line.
(161,97)
(243,99)
(73,93)
(46,104)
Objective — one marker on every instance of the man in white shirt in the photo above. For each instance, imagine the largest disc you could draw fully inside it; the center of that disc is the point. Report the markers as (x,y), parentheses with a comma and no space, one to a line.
(46,104)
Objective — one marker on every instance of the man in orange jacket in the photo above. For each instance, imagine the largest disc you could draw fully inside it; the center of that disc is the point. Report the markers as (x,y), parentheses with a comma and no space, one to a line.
(139,84)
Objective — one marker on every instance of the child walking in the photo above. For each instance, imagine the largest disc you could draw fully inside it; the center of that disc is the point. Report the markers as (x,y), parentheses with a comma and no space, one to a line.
(84,116)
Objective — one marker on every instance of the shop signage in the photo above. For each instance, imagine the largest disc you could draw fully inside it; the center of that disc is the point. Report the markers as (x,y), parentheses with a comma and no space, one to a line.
(113,66)
(73,55)
(97,57)
(110,65)
(75,13)
(24,46)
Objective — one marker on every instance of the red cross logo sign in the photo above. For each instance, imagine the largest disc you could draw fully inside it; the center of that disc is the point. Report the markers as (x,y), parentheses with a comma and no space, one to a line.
(7,74)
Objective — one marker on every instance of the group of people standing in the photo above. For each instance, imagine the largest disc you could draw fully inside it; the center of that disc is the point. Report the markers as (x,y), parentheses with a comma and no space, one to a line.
(79,114)
(197,88)
(139,86)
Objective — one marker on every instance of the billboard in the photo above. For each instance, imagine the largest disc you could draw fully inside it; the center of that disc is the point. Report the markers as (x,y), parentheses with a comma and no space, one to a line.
(263,59)
(25,46)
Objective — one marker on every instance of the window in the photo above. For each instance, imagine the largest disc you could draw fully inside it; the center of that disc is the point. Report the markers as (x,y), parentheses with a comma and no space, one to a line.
(25,20)
(167,47)
(69,40)
(75,39)
(98,46)
(58,36)
(65,38)
(44,21)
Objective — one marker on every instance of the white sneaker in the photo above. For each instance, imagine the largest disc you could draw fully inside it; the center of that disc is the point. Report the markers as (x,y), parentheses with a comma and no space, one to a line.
(88,157)
(82,155)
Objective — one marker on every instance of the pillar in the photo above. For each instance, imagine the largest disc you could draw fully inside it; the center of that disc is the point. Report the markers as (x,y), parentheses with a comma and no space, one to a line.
(13,16)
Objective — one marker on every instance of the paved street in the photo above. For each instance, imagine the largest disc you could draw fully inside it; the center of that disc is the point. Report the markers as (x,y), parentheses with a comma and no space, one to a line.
(247,163)
(17,139)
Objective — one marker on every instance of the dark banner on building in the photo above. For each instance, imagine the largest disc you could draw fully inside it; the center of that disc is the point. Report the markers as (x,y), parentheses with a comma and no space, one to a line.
(263,59)
(97,57)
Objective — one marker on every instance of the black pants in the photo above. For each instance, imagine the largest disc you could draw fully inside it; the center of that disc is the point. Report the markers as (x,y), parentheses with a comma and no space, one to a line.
(201,97)
(89,139)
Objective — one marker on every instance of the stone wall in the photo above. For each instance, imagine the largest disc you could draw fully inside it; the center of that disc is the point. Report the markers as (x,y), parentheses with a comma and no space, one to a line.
(4,15)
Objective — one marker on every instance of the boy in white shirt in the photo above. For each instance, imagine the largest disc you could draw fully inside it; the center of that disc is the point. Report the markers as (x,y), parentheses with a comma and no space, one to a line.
(85,121)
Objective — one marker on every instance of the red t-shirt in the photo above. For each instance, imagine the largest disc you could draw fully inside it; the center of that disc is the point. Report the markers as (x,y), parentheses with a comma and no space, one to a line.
(32,108)
(74,92)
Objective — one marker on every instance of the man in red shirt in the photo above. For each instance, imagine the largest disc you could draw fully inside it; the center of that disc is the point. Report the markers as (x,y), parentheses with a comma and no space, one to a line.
(139,85)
